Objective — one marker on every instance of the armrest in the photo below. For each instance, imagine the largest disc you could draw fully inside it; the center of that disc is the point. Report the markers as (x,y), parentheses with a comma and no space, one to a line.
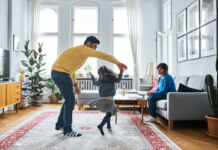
(145,87)
(187,106)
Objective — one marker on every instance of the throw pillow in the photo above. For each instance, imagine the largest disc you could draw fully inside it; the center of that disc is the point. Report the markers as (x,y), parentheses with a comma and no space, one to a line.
(184,88)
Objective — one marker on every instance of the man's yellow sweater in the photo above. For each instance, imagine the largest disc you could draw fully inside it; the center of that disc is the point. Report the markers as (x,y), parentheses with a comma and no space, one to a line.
(73,58)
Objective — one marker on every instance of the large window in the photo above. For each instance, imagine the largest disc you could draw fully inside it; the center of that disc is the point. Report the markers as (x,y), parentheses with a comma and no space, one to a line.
(85,23)
(121,42)
(48,29)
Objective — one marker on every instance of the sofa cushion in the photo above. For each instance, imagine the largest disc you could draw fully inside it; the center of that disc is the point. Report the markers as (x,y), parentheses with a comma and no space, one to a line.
(90,94)
(180,79)
(197,82)
(162,104)
(184,88)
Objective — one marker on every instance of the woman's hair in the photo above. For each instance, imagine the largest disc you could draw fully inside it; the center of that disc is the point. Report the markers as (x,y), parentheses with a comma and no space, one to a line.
(106,75)
(163,66)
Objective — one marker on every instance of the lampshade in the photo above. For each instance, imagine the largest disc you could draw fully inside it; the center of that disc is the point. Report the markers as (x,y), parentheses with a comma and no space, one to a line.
(150,69)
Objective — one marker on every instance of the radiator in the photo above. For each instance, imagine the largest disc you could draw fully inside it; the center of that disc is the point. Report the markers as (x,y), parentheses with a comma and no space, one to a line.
(86,84)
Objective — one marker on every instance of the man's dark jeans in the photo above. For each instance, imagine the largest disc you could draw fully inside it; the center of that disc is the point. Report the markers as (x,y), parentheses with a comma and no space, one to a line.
(65,85)
(152,103)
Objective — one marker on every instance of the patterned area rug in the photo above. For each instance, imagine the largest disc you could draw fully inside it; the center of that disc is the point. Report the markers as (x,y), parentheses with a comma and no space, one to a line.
(130,133)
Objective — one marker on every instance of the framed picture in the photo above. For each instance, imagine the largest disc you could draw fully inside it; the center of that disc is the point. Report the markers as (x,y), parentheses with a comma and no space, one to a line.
(209,39)
(208,11)
(193,16)
(182,48)
(181,23)
(193,45)
(16,43)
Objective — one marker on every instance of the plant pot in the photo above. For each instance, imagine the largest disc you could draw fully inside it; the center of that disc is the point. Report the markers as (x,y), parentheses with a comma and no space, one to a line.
(212,123)
(36,100)
(52,99)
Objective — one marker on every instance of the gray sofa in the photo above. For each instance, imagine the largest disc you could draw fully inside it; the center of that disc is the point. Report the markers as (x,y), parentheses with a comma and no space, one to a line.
(184,105)
(86,96)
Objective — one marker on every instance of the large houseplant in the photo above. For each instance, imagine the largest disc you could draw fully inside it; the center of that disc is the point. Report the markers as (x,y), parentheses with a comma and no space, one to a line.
(56,95)
(34,65)
(212,120)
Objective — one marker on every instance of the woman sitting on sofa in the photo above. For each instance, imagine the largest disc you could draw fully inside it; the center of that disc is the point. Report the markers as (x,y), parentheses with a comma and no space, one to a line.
(165,84)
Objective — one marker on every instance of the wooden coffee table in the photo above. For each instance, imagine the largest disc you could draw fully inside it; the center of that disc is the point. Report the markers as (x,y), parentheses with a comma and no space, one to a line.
(130,99)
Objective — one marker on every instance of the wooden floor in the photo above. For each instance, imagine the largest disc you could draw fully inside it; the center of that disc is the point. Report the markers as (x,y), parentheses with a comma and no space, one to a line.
(187,135)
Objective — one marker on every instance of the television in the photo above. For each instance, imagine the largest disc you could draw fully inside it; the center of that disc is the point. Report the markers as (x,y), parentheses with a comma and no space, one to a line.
(4,64)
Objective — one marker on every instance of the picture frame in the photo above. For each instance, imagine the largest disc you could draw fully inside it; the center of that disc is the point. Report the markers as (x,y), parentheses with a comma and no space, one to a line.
(209,39)
(193,40)
(181,23)
(193,16)
(182,48)
(16,43)
(208,11)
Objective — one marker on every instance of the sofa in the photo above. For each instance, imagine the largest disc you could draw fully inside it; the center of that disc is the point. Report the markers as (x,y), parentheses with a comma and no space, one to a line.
(86,96)
(181,106)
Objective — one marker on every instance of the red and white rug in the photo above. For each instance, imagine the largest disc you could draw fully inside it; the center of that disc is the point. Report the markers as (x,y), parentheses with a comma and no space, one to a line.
(38,133)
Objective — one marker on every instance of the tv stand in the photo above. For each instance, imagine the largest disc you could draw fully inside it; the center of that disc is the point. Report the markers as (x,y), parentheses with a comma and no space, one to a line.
(10,94)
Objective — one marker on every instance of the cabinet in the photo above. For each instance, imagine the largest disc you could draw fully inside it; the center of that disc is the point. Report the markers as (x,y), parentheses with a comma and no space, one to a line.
(10,93)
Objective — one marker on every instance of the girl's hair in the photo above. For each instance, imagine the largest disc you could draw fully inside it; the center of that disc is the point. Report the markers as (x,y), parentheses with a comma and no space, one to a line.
(106,75)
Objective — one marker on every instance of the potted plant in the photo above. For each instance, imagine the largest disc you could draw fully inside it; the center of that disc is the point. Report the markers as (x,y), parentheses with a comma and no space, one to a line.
(212,120)
(58,96)
(51,85)
(126,75)
(34,66)
(87,69)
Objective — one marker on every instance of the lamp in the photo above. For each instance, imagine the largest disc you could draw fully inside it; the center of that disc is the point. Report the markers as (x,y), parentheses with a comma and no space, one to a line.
(150,70)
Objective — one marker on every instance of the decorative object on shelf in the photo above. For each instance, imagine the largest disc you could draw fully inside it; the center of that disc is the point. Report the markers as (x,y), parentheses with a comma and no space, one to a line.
(126,75)
(182,48)
(35,69)
(208,11)
(16,43)
(56,95)
(150,71)
(193,45)
(212,120)
(209,39)
(22,75)
(193,16)
(181,23)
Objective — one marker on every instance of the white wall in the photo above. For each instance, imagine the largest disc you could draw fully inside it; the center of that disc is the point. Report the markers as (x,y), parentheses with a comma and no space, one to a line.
(150,24)
(200,66)
(4,24)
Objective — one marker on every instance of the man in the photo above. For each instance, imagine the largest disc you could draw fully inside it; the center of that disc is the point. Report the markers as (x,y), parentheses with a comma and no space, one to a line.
(165,84)
(62,70)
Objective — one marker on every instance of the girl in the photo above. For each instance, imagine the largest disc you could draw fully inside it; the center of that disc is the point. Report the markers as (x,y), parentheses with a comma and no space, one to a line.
(106,83)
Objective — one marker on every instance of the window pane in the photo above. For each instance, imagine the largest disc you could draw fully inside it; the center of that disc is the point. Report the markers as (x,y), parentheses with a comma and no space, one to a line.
(122,51)
(79,40)
(50,49)
(48,20)
(120,23)
(85,19)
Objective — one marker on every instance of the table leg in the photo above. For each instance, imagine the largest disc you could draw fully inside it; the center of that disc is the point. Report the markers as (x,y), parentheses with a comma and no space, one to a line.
(116,114)
(142,112)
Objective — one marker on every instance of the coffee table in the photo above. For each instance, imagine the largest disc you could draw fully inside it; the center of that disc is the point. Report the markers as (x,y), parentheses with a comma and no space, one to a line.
(130,99)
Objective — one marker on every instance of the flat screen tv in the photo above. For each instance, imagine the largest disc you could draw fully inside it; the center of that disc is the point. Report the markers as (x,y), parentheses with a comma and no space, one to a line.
(4,63)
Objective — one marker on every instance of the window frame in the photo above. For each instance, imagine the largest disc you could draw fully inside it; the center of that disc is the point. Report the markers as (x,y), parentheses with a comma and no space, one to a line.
(55,6)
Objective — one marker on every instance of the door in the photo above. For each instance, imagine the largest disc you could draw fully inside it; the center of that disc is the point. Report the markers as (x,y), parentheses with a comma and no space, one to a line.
(2,95)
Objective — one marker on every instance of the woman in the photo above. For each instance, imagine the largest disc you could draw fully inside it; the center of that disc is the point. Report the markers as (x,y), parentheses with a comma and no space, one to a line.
(165,84)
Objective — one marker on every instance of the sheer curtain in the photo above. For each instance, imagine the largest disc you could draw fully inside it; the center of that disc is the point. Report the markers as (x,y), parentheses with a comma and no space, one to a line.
(35,16)
(132,15)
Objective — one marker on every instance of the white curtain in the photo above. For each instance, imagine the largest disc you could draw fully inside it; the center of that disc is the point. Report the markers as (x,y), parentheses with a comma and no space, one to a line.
(35,16)
(132,16)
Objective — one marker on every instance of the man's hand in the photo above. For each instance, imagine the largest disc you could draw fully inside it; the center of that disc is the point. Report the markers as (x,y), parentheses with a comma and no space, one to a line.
(121,66)
(149,94)
(77,90)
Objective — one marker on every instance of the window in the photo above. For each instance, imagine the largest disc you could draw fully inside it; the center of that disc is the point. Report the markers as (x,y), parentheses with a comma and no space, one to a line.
(121,42)
(85,23)
(48,29)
